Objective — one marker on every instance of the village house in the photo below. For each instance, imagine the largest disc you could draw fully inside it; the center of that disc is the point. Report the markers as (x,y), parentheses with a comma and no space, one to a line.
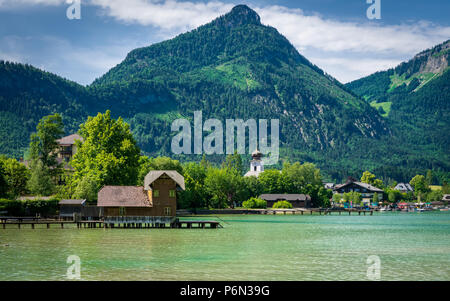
(297,200)
(156,198)
(404,187)
(367,191)
(67,148)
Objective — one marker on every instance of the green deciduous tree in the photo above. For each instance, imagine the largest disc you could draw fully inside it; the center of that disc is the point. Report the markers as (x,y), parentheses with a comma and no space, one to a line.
(43,143)
(195,195)
(3,182)
(234,162)
(87,188)
(254,203)
(16,176)
(370,178)
(40,182)
(353,196)
(282,205)
(108,152)
(434,196)
(298,176)
(225,186)
(420,184)
(272,181)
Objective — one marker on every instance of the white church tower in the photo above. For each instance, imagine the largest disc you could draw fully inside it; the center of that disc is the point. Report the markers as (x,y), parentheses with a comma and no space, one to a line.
(256,165)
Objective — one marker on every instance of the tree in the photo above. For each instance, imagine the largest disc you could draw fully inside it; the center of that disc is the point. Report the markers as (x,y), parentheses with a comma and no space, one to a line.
(434,196)
(195,195)
(272,181)
(445,188)
(108,152)
(429,177)
(3,182)
(337,197)
(353,196)
(392,196)
(370,178)
(297,176)
(225,186)
(420,184)
(40,182)
(254,203)
(87,188)
(234,162)
(16,175)
(375,199)
(253,187)
(282,205)
(44,145)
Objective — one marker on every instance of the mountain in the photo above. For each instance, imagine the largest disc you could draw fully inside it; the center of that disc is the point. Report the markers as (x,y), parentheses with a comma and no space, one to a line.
(232,68)
(415,101)
(235,67)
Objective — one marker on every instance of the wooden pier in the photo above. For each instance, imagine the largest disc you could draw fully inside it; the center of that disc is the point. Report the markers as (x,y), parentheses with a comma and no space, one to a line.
(117,222)
(327,211)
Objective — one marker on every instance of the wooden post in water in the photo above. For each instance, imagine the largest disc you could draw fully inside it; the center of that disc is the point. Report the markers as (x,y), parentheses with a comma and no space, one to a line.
(62,225)
(32,226)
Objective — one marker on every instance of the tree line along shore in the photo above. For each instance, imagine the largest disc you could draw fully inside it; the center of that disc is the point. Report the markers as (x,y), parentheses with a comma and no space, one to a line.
(107,154)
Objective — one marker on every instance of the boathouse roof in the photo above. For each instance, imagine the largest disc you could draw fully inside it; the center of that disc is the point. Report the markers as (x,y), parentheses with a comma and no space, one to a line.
(123,196)
(153,175)
(72,202)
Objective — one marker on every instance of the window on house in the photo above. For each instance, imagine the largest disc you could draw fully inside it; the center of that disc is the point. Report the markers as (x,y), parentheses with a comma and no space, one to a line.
(156,193)
(172,193)
(167,211)
(121,211)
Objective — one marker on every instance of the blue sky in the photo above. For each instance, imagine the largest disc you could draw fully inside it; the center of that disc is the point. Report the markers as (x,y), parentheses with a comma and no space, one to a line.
(336,35)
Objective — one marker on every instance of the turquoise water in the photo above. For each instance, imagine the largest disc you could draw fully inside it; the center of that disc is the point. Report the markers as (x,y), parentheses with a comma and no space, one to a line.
(411,246)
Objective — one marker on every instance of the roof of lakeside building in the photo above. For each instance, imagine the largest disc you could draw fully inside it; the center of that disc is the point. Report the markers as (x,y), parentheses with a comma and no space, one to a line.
(69,140)
(123,196)
(153,175)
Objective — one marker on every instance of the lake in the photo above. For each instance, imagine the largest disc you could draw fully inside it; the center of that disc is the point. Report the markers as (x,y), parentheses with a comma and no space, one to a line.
(411,246)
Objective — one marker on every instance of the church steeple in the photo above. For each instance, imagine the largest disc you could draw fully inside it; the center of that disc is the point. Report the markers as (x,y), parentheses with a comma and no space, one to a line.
(256,165)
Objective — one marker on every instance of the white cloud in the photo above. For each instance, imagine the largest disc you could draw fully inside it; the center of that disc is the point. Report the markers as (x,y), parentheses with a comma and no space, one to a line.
(330,35)
(348,69)
(19,3)
(167,15)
